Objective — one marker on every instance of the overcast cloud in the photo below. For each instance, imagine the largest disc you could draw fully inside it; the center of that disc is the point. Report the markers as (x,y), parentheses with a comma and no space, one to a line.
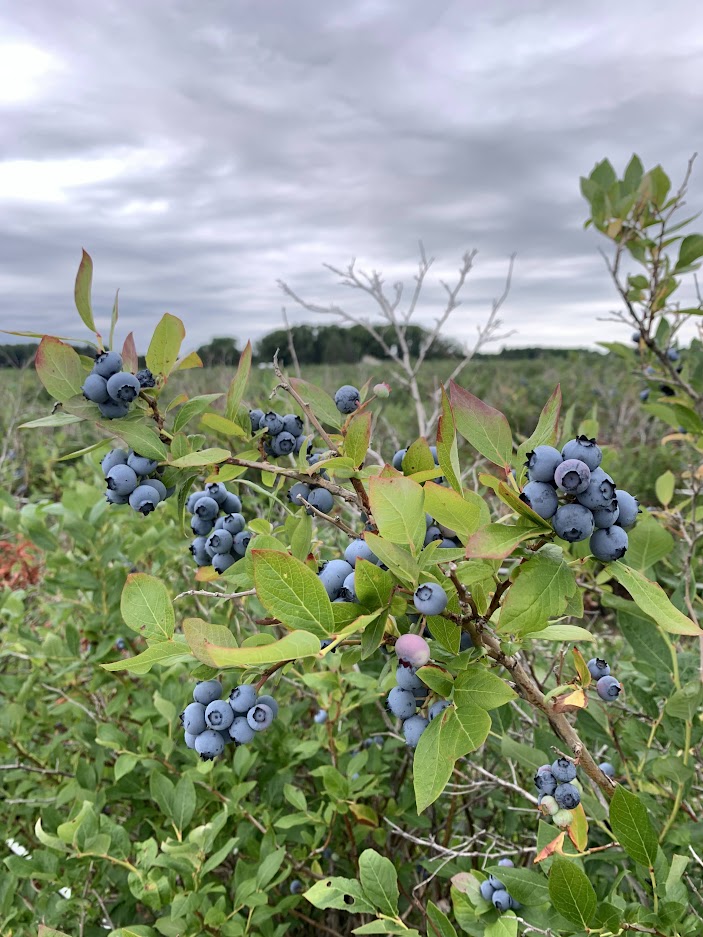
(200,151)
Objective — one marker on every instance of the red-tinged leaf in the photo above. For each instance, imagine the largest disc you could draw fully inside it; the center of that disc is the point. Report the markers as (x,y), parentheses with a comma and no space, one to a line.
(130,359)
(447,448)
(238,384)
(82,291)
(556,845)
(59,368)
(484,427)
(581,667)
(571,702)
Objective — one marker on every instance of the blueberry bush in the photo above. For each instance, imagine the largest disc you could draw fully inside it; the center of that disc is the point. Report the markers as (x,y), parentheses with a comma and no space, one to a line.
(314,682)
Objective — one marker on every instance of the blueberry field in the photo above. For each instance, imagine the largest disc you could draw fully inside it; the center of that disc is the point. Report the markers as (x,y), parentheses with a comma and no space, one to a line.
(402,647)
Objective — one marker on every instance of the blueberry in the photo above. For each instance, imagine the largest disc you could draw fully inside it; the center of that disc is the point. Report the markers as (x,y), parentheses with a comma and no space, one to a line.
(292,424)
(113,498)
(348,591)
(332,576)
(209,744)
(407,678)
(600,491)
(496,882)
(95,388)
(113,409)
(447,544)
(573,476)
(501,900)
(295,887)
(321,499)
(256,416)
(231,505)
(200,527)
(672,354)
(242,698)
(122,480)
(216,491)
(145,378)
(218,714)
(636,338)
(412,650)
(320,716)
(545,782)
(206,508)
(542,463)
(644,395)
(123,386)
(144,499)
(563,818)
(140,464)
(205,691)
(112,458)
(606,517)
(609,544)
(298,490)
(583,449)
(397,461)
(430,598)
(234,523)
(465,642)
(608,688)
(219,541)
(541,497)
(193,718)
(629,508)
(487,890)
(437,708)
(413,729)
(299,443)
(432,533)
(240,731)
(573,522)
(607,769)
(193,499)
(189,739)
(241,542)
(347,398)
(283,443)
(567,796)
(401,702)
(506,863)
(564,770)
(359,550)
(270,702)
(199,553)
(272,422)
(260,717)
(598,668)
(107,363)
(223,561)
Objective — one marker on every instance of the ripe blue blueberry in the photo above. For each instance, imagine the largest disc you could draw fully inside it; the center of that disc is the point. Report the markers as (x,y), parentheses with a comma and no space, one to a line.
(145,378)
(507,863)
(629,508)
(545,782)
(216,491)
(437,708)
(123,386)
(541,497)
(672,354)
(189,739)
(219,541)
(140,463)
(295,887)
(231,505)
(447,544)
(413,650)
(298,490)
(292,424)
(573,522)
(299,443)
(218,714)
(583,449)
(332,576)
(206,508)
(413,729)
(283,443)
(644,395)
(223,561)
(270,702)
(573,476)
(240,731)
(243,697)
(205,691)
(486,890)
(397,461)
(542,463)
(432,533)
(564,770)
(496,882)
(260,717)
(609,543)
(234,523)
(107,363)
(347,398)
(193,718)
(359,550)
(401,702)
(241,541)
(407,678)
(256,416)
(320,716)
(430,598)
(160,487)
(199,553)
(606,517)
(348,590)
(608,688)
(113,409)
(600,491)
(272,422)
(567,796)
(321,499)
(501,900)
(122,479)
(607,769)
(144,499)
(200,527)
(598,668)
(465,643)
(95,388)
(636,338)
(193,499)
(112,458)
(209,744)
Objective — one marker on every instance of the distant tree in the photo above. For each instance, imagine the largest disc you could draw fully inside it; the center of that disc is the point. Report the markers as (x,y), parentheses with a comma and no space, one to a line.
(219,352)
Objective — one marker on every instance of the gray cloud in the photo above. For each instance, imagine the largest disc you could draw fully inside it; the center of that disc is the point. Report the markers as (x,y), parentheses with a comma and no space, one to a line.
(201,152)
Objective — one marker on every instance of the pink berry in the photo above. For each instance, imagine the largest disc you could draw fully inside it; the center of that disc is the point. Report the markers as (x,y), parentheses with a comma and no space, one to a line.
(413,650)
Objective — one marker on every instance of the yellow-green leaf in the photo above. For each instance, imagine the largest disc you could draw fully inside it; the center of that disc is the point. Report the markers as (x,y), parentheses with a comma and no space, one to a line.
(165,345)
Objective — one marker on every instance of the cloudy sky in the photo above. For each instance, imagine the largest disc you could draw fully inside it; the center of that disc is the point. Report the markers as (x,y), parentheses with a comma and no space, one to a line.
(201,151)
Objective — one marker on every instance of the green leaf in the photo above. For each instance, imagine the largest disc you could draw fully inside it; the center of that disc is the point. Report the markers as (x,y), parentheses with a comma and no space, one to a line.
(541,590)
(146,606)
(162,652)
(485,428)
(527,755)
(497,541)
(379,881)
(685,703)
(664,487)
(571,892)
(432,764)
(357,437)
(504,926)
(59,368)
(441,925)
(165,345)
(465,729)
(690,250)
(478,686)
(238,384)
(183,803)
(399,561)
(191,360)
(418,458)
(322,405)
(447,447)
(202,458)
(344,894)
(290,591)
(648,543)
(397,505)
(372,635)
(528,887)
(293,646)
(82,290)
(192,408)
(55,419)
(632,828)
(437,679)
(222,425)
(138,437)
(643,636)
(563,633)
(653,601)
(372,585)
(545,433)
(463,514)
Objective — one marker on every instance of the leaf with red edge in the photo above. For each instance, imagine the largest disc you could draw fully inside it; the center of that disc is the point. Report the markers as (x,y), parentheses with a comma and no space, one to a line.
(556,845)
(484,427)
(59,368)
(578,829)
(130,359)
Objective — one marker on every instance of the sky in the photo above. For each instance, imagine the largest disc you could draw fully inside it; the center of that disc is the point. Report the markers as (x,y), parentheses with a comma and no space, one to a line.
(201,152)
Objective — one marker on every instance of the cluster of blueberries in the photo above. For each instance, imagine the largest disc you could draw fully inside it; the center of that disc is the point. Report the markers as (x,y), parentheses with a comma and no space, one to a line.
(607,687)
(131,479)
(112,388)
(410,692)
(219,527)
(560,792)
(593,506)
(337,576)
(493,890)
(284,434)
(209,722)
